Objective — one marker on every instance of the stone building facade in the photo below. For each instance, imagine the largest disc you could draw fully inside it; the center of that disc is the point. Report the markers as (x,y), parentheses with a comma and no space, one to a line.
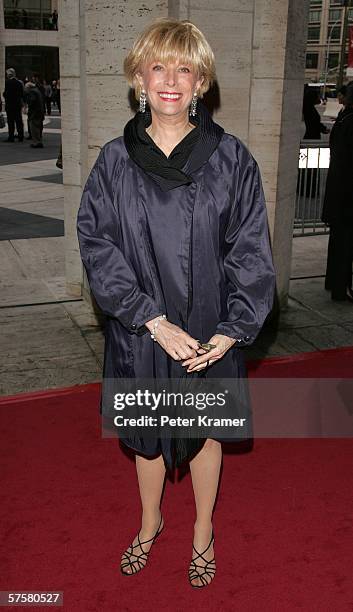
(28,42)
(260,57)
(324,40)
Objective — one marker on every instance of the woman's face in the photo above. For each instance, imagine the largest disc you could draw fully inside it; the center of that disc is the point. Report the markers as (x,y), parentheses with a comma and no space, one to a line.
(169,88)
(341,98)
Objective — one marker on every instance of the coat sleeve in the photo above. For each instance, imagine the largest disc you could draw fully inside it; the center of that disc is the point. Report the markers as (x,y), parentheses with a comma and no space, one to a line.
(248,264)
(112,280)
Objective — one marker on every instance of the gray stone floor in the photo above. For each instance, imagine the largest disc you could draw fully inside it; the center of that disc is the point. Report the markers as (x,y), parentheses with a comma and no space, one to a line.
(14,153)
(50,340)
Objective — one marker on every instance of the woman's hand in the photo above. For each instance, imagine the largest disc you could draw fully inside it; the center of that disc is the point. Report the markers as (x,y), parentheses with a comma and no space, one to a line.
(223,343)
(174,340)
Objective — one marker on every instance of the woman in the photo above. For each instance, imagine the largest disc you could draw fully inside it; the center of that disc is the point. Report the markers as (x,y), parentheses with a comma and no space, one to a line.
(313,126)
(309,179)
(173,224)
(338,204)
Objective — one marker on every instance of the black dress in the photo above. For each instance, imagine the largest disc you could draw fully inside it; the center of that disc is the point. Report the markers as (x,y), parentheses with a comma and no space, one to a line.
(338,206)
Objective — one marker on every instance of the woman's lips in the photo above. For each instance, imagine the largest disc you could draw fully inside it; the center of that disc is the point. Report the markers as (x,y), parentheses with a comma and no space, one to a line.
(169,97)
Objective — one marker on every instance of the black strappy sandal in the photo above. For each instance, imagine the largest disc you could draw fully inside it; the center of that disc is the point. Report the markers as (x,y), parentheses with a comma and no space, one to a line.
(209,568)
(140,558)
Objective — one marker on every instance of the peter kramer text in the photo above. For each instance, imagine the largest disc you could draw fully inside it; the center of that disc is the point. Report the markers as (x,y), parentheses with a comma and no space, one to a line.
(164,420)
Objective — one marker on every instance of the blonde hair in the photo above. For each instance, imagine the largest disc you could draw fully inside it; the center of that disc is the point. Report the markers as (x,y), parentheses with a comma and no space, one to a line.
(171,40)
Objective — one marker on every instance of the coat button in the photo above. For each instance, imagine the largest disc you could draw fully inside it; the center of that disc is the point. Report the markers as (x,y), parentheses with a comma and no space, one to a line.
(133,326)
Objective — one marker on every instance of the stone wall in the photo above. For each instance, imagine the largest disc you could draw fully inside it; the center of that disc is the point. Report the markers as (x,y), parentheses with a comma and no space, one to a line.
(259,47)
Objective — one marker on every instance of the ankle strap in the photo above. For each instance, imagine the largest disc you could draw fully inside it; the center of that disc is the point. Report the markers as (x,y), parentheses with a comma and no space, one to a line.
(153,537)
(203,552)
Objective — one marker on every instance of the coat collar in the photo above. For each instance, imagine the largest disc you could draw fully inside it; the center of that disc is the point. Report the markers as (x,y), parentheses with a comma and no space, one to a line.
(187,157)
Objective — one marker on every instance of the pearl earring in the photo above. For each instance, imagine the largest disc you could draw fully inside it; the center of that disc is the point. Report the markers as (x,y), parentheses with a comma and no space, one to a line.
(142,101)
(193,105)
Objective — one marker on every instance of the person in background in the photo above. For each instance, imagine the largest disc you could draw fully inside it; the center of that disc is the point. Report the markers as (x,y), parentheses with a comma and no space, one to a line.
(309,185)
(37,80)
(59,161)
(13,96)
(25,19)
(48,96)
(53,95)
(2,119)
(29,137)
(312,119)
(58,99)
(54,19)
(338,204)
(341,95)
(36,112)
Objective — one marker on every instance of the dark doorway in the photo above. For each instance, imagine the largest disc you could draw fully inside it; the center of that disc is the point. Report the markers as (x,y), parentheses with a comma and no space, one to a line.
(29,59)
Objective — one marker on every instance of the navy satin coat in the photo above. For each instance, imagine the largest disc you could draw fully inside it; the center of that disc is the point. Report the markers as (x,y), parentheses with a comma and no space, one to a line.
(199,253)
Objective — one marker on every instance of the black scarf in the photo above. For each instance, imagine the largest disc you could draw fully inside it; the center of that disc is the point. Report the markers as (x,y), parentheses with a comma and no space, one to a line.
(189,154)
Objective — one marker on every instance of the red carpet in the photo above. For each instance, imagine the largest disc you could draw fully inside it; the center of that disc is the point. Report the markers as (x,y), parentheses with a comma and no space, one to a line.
(283,522)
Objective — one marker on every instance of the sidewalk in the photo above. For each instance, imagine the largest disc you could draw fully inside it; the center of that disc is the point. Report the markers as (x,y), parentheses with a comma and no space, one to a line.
(50,339)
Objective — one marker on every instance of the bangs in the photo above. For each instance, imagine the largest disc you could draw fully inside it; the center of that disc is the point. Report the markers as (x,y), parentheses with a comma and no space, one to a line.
(174,46)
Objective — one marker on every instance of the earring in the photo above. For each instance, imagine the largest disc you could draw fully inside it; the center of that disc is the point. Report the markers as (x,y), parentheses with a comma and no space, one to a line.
(193,105)
(142,101)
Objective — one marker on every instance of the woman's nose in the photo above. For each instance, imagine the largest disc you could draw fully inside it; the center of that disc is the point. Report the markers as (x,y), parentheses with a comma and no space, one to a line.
(170,77)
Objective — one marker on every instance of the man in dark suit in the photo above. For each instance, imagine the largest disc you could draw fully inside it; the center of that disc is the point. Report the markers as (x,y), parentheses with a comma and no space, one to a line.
(13,95)
(36,111)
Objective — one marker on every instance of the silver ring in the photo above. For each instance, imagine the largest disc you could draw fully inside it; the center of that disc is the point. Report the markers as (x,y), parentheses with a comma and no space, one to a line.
(207,363)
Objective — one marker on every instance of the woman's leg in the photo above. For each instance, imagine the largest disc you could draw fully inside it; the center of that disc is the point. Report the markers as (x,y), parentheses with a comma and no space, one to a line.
(205,469)
(330,262)
(150,475)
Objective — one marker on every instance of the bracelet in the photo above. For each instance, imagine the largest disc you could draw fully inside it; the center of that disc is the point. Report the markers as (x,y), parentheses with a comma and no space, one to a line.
(155,325)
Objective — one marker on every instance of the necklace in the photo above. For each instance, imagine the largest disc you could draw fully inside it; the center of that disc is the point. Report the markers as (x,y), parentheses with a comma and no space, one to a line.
(191,127)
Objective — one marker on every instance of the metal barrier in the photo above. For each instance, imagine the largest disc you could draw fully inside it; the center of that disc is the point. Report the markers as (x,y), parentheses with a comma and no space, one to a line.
(314,160)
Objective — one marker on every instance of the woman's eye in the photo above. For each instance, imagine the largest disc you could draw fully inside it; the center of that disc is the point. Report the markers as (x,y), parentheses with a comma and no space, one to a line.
(185,68)
(156,67)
